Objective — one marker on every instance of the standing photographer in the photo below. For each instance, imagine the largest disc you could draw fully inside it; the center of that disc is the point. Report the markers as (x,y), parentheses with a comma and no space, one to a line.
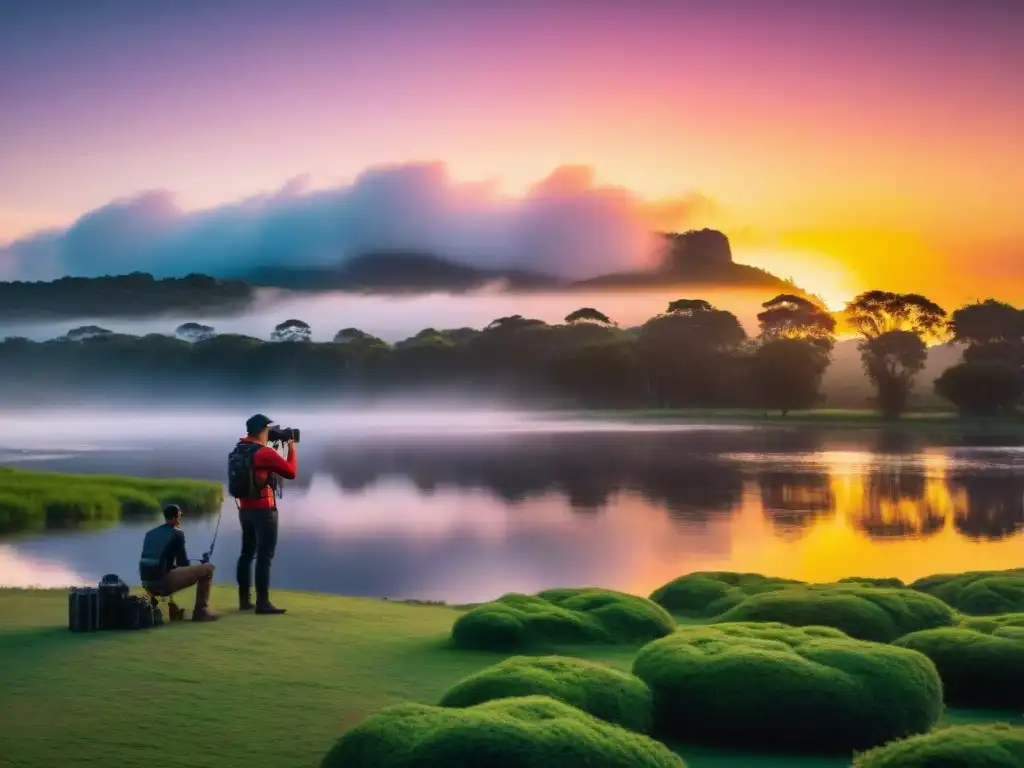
(254,470)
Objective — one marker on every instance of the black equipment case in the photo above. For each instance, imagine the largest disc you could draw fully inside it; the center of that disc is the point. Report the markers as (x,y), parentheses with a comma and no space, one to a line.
(109,606)
(84,609)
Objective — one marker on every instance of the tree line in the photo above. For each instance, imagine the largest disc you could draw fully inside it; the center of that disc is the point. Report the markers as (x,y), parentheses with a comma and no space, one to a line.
(138,294)
(692,354)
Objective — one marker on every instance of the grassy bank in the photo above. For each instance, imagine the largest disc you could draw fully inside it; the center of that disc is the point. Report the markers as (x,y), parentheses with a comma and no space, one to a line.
(822,417)
(31,500)
(249,691)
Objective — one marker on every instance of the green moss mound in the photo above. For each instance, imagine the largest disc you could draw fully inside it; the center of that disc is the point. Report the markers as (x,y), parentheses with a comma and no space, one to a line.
(33,500)
(978,669)
(708,593)
(1009,625)
(864,613)
(977,593)
(561,617)
(773,686)
(528,732)
(606,693)
(870,582)
(967,746)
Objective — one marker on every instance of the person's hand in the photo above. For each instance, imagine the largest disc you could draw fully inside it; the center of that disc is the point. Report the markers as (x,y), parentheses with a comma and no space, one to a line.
(291,445)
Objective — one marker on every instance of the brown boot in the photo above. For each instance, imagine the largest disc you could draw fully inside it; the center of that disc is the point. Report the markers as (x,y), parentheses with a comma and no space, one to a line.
(204,614)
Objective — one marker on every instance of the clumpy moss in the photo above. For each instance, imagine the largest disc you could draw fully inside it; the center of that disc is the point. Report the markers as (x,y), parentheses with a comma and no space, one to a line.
(528,732)
(1006,625)
(33,500)
(873,582)
(967,746)
(978,668)
(708,593)
(606,693)
(561,617)
(864,613)
(773,686)
(977,593)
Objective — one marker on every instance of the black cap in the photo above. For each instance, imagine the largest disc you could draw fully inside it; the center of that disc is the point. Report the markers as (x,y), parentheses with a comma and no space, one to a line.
(257,424)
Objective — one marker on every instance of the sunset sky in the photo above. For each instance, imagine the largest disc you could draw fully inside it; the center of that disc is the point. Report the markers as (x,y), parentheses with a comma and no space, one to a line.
(845,143)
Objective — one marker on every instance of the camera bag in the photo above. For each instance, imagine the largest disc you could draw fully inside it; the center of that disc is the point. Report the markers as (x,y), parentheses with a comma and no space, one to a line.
(84,609)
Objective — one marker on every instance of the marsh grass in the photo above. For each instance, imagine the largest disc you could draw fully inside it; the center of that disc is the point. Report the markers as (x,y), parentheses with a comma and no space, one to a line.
(34,500)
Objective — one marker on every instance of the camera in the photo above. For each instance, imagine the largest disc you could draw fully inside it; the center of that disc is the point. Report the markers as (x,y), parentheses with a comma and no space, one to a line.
(283,434)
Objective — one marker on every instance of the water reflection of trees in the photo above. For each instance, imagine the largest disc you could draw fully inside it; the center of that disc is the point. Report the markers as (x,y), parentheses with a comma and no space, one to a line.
(886,491)
(988,505)
(889,496)
(588,470)
(794,500)
(896,504)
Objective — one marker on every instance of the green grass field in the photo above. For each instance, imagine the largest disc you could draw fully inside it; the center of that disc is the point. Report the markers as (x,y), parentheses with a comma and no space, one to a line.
(32,500)
(247,691)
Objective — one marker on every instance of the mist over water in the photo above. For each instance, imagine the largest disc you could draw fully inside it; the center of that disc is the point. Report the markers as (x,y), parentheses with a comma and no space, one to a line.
(394,318)
(39,434)
(463,504)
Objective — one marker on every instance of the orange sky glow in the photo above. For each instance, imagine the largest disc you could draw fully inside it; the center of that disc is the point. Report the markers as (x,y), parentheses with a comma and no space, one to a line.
(873,147)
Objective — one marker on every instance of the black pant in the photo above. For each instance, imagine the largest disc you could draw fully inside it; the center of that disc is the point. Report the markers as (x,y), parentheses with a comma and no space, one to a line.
(259,540)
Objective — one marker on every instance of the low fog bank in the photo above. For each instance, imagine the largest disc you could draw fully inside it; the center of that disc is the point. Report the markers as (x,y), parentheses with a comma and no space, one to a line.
(393,318)
(567,224)
(128,425)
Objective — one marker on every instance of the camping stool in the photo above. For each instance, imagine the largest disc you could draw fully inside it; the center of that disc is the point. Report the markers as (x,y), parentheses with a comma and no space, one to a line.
(174,611)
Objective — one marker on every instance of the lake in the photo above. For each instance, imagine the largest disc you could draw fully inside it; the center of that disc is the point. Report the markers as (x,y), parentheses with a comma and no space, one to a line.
(463,506)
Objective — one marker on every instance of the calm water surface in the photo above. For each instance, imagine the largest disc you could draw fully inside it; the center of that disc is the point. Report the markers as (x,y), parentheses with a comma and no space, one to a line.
(464,507)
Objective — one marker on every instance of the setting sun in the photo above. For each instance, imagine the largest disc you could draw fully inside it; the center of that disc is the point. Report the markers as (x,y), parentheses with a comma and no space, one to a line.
(815,272)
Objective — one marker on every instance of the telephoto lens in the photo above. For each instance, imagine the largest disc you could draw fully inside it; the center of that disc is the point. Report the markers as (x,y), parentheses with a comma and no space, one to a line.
(283,434)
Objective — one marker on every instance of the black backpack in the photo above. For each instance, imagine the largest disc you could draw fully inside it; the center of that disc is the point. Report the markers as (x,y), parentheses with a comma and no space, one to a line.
(241,475)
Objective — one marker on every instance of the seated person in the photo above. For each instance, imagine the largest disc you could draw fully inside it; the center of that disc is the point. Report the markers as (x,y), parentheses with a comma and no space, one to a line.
(164,567)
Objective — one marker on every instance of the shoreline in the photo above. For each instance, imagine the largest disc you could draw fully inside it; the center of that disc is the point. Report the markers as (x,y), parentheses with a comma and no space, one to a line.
(839,418)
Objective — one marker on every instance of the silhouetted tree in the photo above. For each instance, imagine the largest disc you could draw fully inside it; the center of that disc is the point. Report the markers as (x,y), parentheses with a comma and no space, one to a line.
(194,332)
(363,351)
(357,336)
(893,352)
(876,312)
(991,331)
(981,388)
(690,354)
(588,315)
(513,323)
(601,375)
(787,374)
(892,362)
(86,332)
(793,317)
(292,330)
(688,307)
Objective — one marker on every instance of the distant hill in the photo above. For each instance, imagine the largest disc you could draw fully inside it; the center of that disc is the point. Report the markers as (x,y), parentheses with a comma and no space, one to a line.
(698,257)
(401,272)
(701,257)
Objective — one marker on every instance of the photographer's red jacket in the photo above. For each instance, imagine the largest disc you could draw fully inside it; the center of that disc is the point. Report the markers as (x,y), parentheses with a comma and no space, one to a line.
(265,461)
